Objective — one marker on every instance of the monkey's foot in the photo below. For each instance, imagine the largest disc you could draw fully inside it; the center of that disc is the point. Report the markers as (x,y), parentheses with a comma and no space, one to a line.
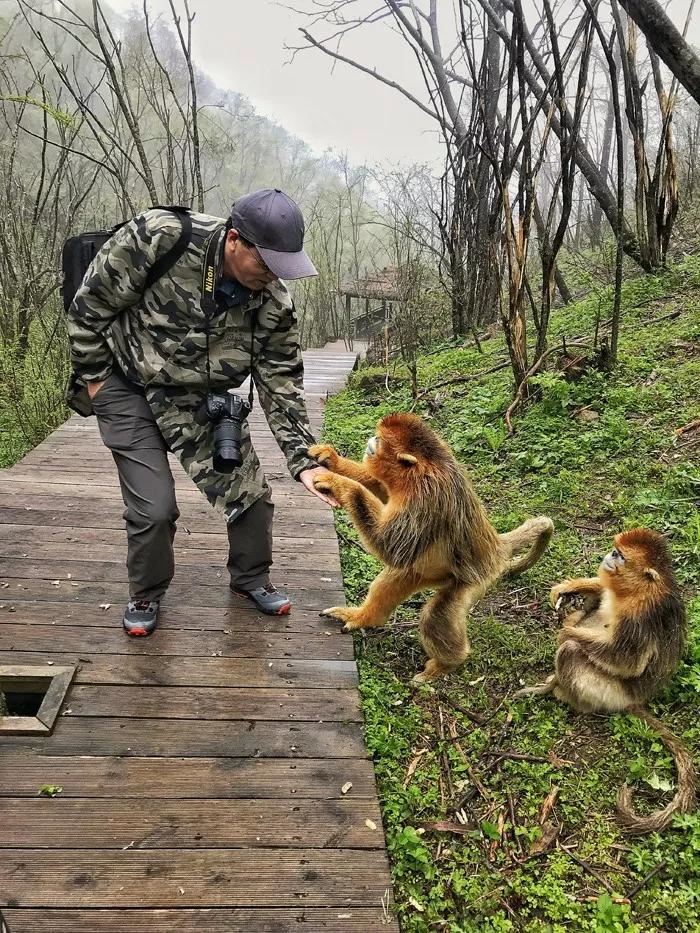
(560,594)
(433,670)
(351,616)
(537,689)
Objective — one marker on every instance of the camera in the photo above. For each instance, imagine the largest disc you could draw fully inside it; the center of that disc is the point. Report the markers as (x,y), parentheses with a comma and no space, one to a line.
(226,412)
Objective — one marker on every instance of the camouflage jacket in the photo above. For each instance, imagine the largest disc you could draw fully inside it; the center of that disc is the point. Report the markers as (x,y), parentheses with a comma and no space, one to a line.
(158,341)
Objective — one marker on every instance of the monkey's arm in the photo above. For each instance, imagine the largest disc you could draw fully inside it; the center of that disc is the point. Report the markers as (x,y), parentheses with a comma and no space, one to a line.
(329,457)
(583,586)
(364,508)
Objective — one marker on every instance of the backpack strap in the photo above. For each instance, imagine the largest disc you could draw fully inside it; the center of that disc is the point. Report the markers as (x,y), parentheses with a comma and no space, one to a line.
(168,260)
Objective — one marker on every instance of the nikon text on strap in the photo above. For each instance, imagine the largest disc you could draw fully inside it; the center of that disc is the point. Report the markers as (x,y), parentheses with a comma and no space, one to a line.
(210,274)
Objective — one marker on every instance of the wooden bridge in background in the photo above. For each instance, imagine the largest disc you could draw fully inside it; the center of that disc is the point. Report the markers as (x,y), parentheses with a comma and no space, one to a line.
(214,776)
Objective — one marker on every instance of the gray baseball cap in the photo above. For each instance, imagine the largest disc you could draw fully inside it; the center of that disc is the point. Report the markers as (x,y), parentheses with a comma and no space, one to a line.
(270,220)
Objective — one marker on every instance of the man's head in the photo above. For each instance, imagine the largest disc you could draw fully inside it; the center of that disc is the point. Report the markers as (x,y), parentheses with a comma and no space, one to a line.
(266,240)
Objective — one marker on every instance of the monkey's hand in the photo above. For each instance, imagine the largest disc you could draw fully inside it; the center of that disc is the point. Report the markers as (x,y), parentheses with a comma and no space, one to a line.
(325,454)
(328,482)
(562,593)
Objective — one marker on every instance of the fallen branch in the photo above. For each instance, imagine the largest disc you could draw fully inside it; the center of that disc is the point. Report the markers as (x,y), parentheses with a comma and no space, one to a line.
(474,717)
(657,320)
(591,871)
(459,379)
(691,426)
(531,372)
(646,879)
(516,756)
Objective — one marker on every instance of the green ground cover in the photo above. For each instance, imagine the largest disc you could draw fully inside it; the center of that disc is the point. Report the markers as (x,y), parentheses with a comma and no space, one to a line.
(540,849)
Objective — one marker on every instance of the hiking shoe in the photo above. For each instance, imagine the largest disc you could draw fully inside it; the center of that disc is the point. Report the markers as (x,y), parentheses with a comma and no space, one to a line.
(268,599)
(140,616)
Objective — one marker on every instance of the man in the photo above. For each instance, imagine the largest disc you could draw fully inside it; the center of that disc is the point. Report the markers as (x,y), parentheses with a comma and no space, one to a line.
(145,358)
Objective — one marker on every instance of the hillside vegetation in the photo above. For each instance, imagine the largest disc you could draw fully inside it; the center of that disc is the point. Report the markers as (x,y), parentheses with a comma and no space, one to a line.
(528,840)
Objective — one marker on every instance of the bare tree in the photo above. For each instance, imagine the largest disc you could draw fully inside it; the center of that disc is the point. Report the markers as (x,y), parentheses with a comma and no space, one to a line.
(668,43)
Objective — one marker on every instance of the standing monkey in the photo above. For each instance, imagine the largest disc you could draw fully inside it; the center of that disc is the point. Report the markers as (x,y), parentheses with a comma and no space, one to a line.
(623,645)
(417,512)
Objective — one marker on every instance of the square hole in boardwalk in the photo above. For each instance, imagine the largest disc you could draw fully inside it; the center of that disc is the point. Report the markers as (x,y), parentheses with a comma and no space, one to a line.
(31,696)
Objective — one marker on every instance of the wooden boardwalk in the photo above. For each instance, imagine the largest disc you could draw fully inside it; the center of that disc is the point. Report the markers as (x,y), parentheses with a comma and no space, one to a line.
(202,768)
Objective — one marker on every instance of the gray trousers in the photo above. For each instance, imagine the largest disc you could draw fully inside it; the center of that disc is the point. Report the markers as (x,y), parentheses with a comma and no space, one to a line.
(128,428)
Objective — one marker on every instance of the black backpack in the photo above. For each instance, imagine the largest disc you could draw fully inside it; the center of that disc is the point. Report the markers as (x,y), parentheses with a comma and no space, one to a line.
(80,250)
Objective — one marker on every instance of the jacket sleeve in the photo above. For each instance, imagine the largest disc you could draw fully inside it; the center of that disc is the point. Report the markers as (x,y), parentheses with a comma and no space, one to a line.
(278,373)
(114,281)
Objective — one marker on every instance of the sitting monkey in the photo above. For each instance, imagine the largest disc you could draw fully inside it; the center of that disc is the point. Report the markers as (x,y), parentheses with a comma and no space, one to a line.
(417,512)
(618,649)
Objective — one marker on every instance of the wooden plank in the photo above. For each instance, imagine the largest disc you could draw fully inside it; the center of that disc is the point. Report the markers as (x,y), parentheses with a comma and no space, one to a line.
(54,696)
(214,543)
(205,522)
(203,738)
(17,568)
(24,771)
(166,643)
(193,512)
(242,729)
(245,618)
(308,558)
(309,704)
(202,824)
(198,672)
(180,594)
(231,920)
(41,493)
(14,726)
(193,878)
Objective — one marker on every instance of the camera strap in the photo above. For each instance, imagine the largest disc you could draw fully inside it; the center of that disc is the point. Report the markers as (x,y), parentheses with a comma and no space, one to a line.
(212,263)
(210,273)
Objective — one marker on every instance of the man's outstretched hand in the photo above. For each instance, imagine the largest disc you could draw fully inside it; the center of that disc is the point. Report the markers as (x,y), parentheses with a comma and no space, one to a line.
(306,477)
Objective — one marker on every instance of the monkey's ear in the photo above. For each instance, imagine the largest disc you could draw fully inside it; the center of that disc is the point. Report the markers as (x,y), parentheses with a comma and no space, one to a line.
(408,459)
(652,574)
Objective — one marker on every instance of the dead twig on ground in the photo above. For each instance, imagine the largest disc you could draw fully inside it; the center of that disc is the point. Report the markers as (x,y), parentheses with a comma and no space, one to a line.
(589,868)
(646,879)
(533,370)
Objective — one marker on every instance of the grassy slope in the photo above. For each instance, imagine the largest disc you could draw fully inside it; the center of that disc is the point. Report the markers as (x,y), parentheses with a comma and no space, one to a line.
(593,477)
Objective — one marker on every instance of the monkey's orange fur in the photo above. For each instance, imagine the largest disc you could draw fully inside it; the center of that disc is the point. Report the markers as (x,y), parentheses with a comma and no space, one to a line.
(417,512)
(621,647)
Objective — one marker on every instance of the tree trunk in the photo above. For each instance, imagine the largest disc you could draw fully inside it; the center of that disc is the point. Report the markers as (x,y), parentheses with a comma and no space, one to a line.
(667,42)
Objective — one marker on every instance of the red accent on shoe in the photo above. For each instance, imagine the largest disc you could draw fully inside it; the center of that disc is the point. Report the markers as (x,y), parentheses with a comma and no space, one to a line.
(284,610)
(136,631)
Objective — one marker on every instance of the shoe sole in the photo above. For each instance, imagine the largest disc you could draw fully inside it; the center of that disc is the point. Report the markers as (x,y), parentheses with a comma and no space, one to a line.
(138,632)
(282,611)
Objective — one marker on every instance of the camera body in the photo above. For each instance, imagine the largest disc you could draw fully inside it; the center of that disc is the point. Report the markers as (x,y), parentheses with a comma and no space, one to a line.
(226,412)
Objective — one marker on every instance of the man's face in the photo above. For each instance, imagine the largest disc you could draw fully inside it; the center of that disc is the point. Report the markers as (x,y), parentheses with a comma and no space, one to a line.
(244,263)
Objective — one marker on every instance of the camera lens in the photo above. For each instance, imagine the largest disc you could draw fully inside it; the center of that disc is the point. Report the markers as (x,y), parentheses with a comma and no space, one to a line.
(227,445)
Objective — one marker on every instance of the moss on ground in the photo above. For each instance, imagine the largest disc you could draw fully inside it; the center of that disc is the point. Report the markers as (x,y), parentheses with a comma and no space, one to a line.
(597,455)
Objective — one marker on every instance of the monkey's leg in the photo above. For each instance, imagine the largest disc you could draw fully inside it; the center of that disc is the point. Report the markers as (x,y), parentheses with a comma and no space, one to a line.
(583,685)
(387,591)
(443,629)
(533,534)
(538,689)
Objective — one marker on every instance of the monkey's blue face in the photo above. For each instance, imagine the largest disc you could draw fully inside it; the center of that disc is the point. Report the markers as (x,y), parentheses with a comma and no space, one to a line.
(613,561)
(371,448)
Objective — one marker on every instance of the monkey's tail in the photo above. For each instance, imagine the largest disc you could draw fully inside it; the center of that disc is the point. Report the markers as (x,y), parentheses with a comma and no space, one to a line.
(684,799)
(533,534)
